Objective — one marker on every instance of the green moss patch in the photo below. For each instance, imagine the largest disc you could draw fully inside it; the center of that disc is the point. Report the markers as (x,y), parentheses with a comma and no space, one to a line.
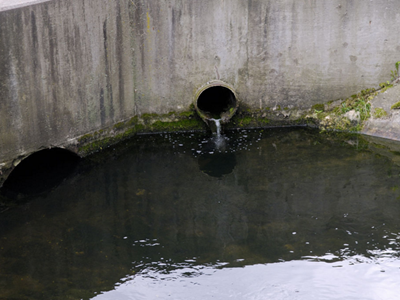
(145,123)
(396,105)
(379,113)
(318,107)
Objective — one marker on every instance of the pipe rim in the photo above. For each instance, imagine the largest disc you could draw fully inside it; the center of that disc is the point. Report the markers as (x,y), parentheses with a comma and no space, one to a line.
(210,84)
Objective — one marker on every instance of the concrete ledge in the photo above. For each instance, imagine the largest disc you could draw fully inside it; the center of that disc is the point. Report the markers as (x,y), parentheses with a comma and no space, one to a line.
(388,125)
(13,4)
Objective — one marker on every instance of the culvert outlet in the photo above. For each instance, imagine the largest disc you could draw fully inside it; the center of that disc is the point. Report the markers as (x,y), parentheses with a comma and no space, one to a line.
(216,100)
(39,172)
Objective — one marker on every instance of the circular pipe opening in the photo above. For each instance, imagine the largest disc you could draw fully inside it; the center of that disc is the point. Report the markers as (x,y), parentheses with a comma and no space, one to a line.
(216,100)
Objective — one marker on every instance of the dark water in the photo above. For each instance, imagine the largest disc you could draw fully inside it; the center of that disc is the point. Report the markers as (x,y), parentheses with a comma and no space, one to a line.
(275,214)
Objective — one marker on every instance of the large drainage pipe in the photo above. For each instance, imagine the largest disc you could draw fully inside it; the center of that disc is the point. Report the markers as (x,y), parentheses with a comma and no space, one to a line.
(216,100)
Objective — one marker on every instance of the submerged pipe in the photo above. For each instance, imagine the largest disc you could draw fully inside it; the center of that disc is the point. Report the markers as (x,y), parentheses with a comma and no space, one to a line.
(216,101)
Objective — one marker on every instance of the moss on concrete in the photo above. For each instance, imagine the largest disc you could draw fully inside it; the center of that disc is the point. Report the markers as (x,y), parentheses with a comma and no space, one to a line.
(379,113)
(351,114)
(119,125)
(180,125)
(187,114)
(318,107)
(246,117)
(396,105)
(348,115)
(384,86)
(145,123)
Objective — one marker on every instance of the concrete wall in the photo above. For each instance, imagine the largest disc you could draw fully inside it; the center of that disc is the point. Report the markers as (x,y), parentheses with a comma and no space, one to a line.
(68,68)
(285,52)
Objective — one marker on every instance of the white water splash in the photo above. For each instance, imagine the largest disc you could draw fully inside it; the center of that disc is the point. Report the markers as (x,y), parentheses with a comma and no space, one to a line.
(218,140)
(218,126)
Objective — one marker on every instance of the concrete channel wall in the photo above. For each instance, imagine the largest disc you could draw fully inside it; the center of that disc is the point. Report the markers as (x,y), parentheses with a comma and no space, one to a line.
(72,68)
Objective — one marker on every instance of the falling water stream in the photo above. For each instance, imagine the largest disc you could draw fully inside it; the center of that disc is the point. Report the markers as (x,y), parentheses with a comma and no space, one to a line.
(274,214)
(217,126)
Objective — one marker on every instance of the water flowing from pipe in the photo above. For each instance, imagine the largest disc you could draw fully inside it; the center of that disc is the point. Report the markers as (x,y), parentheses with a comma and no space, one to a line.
(218,126)
(219,140)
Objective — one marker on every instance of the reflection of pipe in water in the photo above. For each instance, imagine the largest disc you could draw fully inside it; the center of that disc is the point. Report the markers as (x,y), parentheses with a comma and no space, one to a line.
(217,164)
(214,160)
(216,101)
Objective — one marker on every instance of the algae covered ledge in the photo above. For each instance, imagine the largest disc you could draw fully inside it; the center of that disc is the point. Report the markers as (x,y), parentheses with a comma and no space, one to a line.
(373,112)
(353,114)
(145,123)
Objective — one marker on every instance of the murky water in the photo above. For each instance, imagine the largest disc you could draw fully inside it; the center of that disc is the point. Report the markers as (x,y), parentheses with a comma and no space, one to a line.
(273,214)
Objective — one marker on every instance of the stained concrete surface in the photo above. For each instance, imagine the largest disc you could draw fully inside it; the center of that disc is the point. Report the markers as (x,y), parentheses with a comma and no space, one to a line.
(69,68)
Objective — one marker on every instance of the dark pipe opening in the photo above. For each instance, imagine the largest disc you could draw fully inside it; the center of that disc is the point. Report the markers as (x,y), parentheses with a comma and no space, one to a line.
(40,172)
(215,101)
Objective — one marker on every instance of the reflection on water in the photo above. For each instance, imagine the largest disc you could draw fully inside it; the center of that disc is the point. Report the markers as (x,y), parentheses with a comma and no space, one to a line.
(288,215)
(215,159)
(217,164)
(297,279)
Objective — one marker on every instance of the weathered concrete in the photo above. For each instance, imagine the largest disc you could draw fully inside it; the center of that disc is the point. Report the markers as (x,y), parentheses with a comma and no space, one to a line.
(12,4)
(69,68)
(388,125)
(66,70)
(288,53)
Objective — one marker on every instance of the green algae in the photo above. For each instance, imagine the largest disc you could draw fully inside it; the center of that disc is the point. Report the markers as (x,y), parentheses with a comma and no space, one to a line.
(318,107)
(119,125)
(396,105)
(145,123)
(379,113)
(187,114)
(181,125)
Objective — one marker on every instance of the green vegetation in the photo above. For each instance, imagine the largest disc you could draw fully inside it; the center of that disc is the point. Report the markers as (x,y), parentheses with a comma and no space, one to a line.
(264,121)
(379,113)
(187,114)
(396,105)
(385,85)
(245,121)
(379,146)
(185,124)
(334,119)
(395,73)
(318,107)
(364,107)
(173,121)
(360,103)
(119,125)
(147,118)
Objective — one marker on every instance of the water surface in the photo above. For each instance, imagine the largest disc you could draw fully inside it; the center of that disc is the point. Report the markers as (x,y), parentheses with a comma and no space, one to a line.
(268,214)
